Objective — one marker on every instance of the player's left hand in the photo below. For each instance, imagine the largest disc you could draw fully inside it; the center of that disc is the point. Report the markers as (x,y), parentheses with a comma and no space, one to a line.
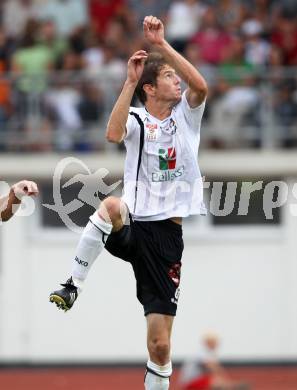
(153,30)
(25,188)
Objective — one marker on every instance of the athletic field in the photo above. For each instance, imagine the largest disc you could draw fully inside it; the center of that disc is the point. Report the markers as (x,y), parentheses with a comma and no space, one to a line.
(259,377)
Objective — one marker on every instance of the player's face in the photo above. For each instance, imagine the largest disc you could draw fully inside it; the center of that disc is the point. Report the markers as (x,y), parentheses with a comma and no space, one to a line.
(168,85)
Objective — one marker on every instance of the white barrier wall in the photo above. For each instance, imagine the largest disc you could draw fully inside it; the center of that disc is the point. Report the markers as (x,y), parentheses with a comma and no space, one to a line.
(238,282)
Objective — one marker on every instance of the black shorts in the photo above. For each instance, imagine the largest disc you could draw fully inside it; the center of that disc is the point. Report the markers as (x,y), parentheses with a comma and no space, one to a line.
(155,250)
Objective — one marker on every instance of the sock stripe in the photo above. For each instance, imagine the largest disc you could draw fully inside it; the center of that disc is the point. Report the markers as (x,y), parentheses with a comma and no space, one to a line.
(154,373)
(97,227)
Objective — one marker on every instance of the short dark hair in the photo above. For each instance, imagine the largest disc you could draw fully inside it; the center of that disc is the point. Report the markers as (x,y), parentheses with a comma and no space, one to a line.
(152,67)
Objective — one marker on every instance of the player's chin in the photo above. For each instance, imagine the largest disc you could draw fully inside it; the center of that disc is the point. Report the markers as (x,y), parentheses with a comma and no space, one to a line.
(175,99)
(178,98)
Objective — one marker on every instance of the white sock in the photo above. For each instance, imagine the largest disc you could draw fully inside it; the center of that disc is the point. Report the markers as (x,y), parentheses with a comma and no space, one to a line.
(89,247)
(157,377)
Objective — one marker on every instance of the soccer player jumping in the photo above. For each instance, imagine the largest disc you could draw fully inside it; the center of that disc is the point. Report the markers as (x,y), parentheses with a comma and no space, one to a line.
(162,185)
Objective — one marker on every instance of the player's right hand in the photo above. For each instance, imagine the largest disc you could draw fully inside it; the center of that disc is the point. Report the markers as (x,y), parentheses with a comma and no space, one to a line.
(25,188)
(136,65)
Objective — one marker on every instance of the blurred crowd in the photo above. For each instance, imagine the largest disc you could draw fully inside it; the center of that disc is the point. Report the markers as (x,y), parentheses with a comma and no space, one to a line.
(62,64)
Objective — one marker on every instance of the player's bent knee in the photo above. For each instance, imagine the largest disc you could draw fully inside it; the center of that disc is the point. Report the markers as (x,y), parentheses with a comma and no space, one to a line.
(110,208)
(159,351)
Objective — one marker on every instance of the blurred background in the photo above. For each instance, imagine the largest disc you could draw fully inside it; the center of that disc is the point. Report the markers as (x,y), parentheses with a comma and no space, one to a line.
(62,65)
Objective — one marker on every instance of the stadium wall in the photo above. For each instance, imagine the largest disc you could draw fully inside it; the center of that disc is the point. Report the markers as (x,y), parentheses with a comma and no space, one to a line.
(237,281)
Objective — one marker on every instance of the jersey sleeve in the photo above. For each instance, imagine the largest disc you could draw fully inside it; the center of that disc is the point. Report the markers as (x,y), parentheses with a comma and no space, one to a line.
(193,115)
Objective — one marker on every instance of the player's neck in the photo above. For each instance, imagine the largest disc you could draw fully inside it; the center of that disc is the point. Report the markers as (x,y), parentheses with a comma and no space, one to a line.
(160,111)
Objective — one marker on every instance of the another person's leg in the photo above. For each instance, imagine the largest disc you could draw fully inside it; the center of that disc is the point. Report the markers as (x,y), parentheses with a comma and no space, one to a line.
(109,217)
(159,367)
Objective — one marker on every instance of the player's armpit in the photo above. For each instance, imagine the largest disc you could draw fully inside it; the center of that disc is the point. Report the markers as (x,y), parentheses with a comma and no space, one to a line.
(196,98)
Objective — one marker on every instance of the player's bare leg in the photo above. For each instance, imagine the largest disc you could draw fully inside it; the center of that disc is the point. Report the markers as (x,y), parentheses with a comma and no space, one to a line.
(159,367)
(109,217)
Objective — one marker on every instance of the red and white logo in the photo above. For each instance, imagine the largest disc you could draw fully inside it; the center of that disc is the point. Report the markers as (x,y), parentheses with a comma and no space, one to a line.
(152,131)
(174,274)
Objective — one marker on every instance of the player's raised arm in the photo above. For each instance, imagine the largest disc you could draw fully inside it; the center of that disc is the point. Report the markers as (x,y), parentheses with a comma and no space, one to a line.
(116,127)
(197,87)
(10,203)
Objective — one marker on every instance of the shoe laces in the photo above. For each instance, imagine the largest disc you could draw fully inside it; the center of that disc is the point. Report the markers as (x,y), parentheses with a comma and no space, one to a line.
(69,284)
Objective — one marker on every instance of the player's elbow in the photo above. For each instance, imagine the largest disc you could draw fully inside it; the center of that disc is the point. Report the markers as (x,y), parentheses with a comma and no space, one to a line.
(202,89)
(199,95)
(113,136)
(199,86)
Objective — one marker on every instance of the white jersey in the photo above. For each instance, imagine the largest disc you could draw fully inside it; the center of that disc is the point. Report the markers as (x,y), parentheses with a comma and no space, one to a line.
(162,177)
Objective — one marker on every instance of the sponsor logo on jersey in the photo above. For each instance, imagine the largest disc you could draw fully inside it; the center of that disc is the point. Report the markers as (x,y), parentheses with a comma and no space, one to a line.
(152,131)
(167,159)
(168,175)
(167,166)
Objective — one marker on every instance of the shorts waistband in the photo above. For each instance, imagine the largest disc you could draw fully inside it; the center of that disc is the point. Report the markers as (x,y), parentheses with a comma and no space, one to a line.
(168,223)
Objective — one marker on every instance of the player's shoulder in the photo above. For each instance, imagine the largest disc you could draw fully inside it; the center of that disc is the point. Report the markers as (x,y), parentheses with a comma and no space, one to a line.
(138,112)
(183,109)
(135,120)
(183,104)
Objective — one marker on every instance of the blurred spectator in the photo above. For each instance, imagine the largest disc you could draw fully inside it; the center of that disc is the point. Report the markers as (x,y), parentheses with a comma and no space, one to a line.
(275,65)
(16,14)
(227,40)
(6,111)
(77,40)
(93,54)
(212,40)
(143,8)
(102,12)
(1,10)
(6,49)
(31,64)
(118,37)
(228,113)
(68,15)
(235,99)
(49,38)
(62,100)
(275,58)
(90,109)
(234,68)
(285,37)
(206,372)
(260,10)
(179,32)
(286,115)
(5,104)
(112,73)
(230,14)
(288,7)
(257,49)
(71,64)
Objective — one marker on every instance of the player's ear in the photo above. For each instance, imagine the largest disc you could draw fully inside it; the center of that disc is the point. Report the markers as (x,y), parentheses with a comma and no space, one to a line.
(149,89)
